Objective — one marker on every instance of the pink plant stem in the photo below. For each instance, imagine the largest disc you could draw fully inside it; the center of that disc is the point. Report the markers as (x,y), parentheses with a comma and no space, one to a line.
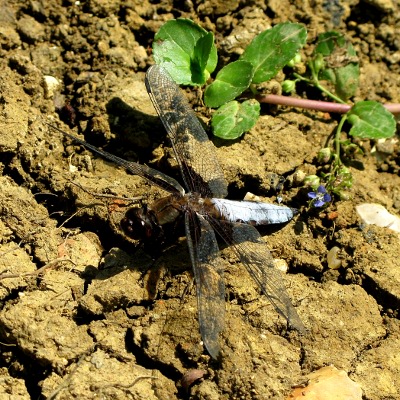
(325,106)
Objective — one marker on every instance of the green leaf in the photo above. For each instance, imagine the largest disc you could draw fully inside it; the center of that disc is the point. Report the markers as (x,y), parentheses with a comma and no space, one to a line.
(229,83)
(233,119)
(347,81)
(272,49)
(341,63)
(370,120)
(328,41)
(186,51)
(201,56)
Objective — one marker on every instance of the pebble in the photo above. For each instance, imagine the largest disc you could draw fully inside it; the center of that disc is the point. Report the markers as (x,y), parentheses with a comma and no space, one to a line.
(51,86)
(376,214)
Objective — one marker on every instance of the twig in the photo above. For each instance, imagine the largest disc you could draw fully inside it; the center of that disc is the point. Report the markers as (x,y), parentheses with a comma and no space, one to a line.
(317,105)
(37,272)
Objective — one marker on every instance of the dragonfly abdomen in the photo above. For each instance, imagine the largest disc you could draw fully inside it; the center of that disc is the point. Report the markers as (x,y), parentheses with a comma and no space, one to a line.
(251,212)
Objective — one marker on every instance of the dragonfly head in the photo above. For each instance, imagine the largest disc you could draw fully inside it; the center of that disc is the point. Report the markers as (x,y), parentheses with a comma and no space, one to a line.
(139,224)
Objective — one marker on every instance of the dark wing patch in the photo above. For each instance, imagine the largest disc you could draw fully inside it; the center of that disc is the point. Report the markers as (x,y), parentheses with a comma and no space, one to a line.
(194,151)
(253,253)
(208,274)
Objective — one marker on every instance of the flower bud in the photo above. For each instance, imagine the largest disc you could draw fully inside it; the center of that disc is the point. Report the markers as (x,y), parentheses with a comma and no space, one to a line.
(288,86)
(324,155)
(312,180)
(295,60)
(344,177)
(343,170)
(318,63)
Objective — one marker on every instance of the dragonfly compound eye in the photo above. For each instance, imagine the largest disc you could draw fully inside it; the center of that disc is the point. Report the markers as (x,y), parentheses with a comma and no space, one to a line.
(137,224)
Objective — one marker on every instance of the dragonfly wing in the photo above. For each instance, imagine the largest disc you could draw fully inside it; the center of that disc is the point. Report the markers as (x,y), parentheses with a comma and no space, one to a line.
(195,153)
(208,274)
(253,253)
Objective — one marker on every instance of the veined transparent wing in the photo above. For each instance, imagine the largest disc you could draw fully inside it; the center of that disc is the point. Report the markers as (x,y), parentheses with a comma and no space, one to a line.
(208,275)
(195,153)
(253,253)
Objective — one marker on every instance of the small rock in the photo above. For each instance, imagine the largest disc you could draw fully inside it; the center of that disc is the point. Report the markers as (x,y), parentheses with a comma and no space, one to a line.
(376,214)
(30,30)
(328,383)
(51,86)
(333,261)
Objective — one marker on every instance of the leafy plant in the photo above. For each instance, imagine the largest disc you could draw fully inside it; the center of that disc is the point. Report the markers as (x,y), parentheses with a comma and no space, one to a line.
(335,61)
(189,54)
(186,51)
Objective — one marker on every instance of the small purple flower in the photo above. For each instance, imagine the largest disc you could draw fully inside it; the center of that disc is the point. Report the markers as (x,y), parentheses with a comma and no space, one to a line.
(320,197)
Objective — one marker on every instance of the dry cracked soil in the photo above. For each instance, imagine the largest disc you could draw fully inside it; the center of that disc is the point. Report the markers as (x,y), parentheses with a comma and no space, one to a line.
(87,314)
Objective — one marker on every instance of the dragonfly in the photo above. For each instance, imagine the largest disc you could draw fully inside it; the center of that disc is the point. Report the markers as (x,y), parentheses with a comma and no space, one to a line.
(201,206)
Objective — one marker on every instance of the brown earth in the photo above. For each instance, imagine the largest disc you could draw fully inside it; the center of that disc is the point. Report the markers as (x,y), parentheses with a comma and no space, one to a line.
(104,320)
